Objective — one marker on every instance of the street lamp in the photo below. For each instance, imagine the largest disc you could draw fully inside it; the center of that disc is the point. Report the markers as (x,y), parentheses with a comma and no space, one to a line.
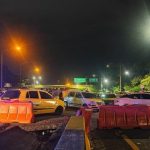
(93,75)
(37,82)
(34,78)
(106,81)
(127,73)
(1,69)
(40,78)
(18,48)
(36,69)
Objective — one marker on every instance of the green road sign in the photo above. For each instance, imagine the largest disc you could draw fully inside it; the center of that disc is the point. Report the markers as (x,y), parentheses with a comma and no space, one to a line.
(79,80)
(93,80)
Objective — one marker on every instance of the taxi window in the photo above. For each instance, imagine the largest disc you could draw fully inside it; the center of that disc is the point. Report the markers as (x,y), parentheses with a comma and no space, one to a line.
(71,94)
(89,95)
(128,96)
(110,96)
(11,94)
(78,95)
(32,94)
(45,95)
(27,95)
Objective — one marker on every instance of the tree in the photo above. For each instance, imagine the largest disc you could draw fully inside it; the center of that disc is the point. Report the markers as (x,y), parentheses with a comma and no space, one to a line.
(136,81)
(146,82)
(116,89)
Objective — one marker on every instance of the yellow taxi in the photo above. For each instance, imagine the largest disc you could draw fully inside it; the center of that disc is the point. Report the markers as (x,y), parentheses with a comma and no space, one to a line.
(42,101)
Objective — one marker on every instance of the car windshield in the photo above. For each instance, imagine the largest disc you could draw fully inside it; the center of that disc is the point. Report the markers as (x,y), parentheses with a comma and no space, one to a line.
(11,94)
(108,96)
(89,95)
(128,96)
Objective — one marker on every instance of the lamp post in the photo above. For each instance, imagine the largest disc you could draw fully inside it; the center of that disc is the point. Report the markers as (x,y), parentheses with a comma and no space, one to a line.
(34,78)
(120,76)
(106,81)
(2,61)
(20,72)
(18,49)
(1,69)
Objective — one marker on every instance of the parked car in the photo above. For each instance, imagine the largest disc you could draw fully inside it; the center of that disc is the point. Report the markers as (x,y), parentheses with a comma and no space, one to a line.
(43,102)
(79,98)
(133,99)
(108,98)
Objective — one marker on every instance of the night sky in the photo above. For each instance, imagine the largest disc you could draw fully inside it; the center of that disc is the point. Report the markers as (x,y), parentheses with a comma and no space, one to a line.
(78,37)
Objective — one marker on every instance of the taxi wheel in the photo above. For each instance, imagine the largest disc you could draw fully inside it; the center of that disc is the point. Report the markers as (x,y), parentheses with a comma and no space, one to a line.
(59,110)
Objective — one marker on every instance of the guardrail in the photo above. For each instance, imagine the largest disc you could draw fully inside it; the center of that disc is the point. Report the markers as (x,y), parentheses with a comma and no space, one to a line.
(75,135)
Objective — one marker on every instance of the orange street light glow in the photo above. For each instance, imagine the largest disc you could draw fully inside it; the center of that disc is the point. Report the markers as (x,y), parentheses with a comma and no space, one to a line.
(37,70)
(68,84)
(18,48)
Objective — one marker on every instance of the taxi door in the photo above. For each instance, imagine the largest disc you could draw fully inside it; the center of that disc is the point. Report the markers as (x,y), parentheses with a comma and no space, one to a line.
(48,104)
(70,99)
(78,99)
(33,96)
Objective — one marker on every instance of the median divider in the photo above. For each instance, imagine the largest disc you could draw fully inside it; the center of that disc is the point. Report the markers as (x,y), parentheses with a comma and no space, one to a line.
(75,135)
(20,112)
(134,116)
(87,114)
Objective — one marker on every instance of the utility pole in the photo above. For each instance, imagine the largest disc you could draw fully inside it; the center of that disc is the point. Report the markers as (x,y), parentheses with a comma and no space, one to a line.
(100,82)
(120,78)
(1,69)
(20,75)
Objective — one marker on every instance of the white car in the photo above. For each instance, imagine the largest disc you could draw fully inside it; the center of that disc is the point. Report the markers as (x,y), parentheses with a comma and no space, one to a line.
(133,99)
(78,99)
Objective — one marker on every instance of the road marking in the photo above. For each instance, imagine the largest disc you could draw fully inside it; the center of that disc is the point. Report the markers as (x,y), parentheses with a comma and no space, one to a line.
(130,142)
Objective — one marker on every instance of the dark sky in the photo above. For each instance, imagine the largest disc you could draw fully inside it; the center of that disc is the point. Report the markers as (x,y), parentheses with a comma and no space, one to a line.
(77,37)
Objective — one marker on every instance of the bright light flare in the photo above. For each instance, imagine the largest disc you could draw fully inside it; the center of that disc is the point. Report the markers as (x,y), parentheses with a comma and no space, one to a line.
(33,77)
(127,73)
(37,82)
(18,48)
(146,31)
(106,81)
(37,70)
(40,78)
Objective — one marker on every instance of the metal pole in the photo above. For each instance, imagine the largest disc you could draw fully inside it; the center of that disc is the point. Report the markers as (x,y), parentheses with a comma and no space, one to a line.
(1,69)
(101,82)
(20,73)
(120,79)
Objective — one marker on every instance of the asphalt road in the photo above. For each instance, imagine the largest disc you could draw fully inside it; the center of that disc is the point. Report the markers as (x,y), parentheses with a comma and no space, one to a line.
(118,139)
(46,139)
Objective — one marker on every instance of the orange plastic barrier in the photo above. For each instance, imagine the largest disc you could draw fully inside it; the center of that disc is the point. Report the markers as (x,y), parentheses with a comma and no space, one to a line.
(87,114)
(124,117)
(20,112)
